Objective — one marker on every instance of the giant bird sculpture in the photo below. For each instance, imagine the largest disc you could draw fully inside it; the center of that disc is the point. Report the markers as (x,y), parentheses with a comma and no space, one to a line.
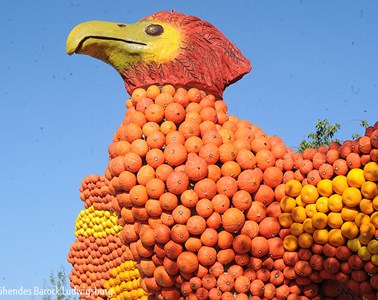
(198,204)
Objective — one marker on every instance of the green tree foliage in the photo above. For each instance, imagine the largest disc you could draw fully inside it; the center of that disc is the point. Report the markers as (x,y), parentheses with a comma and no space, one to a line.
(364,124)
(324,134)
(321,137)
(58,287)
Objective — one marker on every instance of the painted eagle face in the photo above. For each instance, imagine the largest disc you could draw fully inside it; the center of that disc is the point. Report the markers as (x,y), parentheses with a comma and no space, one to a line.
(163,48)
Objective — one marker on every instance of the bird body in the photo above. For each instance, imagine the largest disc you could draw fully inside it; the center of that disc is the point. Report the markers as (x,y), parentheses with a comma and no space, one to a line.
(198,204)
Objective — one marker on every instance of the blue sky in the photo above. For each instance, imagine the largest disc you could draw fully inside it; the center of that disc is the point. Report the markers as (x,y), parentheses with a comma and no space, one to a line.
(311,60)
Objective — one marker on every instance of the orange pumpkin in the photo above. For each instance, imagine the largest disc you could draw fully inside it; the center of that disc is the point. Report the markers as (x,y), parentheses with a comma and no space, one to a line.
(205,188)
(175,154)
(168,201)
(181,214)
(154,113)
(177,182)
(210,153)
(179,233)
(269,227)
(227,185)
(264,159)
(162,171)
(264,194)
(175,137)
(207,256)
(214,220)
(196,225)
(259,246)
(209,237)
(175,112)
(225,282)
(189,128)
(162,233)
(257,212)
(241,244)
(212,137)
(155,188)
(257,288)
(249,180)
(193,144)
(233,220)
(173,249)
(204,208)
(162,277)
(242,200)
(155,158)
(246,159)
(193,244)
(196,167)
(187,262)
(225,239)
(189,198)
(220,203)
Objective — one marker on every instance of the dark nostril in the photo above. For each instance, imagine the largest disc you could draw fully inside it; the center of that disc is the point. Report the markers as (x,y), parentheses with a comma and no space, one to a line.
(121,25)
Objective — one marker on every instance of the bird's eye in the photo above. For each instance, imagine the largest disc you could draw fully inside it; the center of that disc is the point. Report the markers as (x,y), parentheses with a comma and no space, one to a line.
(154,29)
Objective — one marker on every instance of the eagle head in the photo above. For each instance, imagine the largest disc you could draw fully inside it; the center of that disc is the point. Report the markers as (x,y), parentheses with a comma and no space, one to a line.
(163,48)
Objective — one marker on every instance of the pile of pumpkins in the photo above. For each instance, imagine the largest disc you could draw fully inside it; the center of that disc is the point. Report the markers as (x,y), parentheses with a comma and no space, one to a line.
(211,207)
(102,265)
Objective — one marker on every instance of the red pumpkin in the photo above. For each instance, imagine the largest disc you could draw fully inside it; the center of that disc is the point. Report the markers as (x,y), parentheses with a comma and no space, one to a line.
(276,249)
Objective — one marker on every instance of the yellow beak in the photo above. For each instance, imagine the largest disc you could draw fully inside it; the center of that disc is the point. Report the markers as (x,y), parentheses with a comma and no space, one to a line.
(122,44)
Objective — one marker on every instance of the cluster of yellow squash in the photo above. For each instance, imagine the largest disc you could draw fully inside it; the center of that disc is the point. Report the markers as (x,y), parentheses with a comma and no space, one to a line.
(341,211)
(98,223)
(125,282)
